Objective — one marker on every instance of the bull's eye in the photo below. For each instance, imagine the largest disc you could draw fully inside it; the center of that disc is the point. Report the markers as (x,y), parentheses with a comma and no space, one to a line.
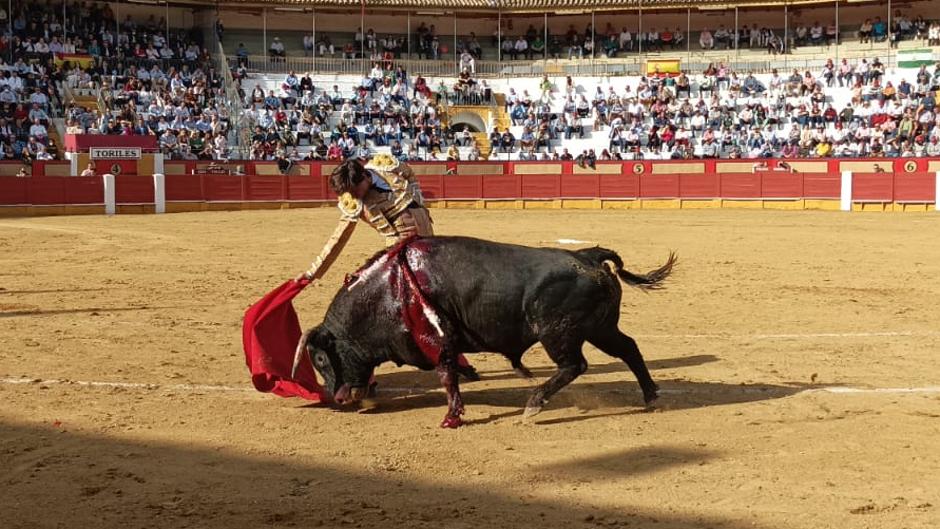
(320,359)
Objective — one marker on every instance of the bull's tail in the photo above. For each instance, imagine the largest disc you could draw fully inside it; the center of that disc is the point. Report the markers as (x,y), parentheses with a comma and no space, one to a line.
(651,280)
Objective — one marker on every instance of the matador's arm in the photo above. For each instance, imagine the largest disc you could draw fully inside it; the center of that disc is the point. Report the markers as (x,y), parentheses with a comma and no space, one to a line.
(351,208)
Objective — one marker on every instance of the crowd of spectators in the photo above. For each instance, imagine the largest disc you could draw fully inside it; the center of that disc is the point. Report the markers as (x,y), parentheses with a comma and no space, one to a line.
(29,97)
(612,41)
(848,109)
(388,108)
(159,82)
(720,114)
(153,80)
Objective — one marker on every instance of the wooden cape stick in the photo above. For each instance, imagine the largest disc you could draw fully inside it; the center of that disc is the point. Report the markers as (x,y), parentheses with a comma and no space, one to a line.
(334,246)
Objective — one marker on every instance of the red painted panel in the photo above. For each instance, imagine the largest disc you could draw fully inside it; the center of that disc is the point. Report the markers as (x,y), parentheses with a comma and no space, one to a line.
(501,186)
(873,186)
(81,189)
(133,189)
(541,186)
(581,185)
(463,186)
(432,186)
(316,168)
(223,188)
(48,190)
(699,185)
(83,142)
(14,190)
(906,165)
(327,190)
(265,188)
(39,167)
(740,185)
(118,167)
(915,187)
(182,187)
(777,184)
(305,187)
(659,186)
(619,186)
(822,185)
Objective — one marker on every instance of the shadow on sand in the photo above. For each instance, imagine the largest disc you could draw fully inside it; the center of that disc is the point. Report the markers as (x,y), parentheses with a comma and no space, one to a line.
(55,478)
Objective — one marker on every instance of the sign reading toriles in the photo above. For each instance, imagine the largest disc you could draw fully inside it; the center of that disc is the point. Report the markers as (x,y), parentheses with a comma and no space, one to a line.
(115,153)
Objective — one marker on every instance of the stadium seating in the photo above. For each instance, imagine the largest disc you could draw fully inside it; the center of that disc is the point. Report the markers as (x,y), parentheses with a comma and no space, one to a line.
(148,78)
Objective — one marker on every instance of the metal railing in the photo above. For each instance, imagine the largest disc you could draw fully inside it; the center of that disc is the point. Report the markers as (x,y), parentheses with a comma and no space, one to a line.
(102,103)
(241,122)
(744,60)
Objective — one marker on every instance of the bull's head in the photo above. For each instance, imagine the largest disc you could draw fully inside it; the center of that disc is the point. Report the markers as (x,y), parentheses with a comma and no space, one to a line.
(345,376)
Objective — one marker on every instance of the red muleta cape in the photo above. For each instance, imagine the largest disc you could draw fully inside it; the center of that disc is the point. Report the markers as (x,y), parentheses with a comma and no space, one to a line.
(271,327)
(270,333)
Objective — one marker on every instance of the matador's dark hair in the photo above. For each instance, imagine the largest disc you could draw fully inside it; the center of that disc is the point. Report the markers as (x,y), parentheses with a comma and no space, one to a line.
(347,176)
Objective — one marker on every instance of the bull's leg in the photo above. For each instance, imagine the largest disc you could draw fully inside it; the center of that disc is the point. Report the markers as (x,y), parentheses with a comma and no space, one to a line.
(447,371)
(521,371)
(466,370)
(619,345)
(571,364)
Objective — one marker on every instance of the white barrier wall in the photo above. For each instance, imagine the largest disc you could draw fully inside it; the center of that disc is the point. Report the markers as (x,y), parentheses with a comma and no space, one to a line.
(159,193)
(110,198)
(845,203)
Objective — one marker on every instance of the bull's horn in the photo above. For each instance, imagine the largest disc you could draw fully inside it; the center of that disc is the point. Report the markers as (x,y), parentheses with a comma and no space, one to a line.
(298,353)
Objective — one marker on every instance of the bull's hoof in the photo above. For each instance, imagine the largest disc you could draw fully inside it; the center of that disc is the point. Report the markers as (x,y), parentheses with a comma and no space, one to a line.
(531,411)
(469,373)
(650,402)
(451,421)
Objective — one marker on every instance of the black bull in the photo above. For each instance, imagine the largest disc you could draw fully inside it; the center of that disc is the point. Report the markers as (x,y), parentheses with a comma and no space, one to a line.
(485,296)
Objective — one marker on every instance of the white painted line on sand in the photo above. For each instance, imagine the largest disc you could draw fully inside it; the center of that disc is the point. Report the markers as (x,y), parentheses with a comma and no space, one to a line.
(193,388)
(798,336)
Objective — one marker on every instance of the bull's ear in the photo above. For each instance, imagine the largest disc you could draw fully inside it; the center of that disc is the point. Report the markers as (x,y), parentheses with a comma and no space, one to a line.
(322,339)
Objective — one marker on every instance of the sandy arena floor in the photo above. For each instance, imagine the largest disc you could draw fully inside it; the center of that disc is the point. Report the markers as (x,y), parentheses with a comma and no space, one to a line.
(766,310)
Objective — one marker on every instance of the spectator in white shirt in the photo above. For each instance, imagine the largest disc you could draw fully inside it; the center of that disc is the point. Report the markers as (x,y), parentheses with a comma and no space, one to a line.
(626,40)
(277,47)
(705,40)
(39,98)
(38,130)
(521,48)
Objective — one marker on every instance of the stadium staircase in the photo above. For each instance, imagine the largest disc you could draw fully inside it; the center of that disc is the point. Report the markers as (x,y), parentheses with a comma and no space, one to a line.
(491,116)
(502,117)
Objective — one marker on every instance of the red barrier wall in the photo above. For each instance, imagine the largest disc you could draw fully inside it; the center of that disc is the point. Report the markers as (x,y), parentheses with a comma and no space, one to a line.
(266,188)
(499,181)
(619,186)
(14,191)
(830,166)
(580,185)
(184,188)
(781,185)
(133,189)
(913,187)
(699,186)
(461,186)
(822,185)
(58,190)
(223,188)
